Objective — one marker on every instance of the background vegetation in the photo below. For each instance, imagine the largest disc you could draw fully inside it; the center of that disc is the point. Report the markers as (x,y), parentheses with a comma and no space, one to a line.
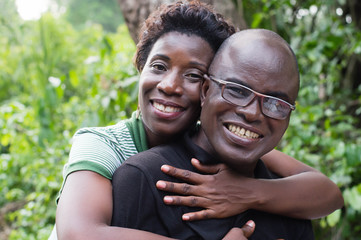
(58,74)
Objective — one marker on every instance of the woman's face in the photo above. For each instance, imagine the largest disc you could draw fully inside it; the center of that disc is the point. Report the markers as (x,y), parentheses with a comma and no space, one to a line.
(170,85)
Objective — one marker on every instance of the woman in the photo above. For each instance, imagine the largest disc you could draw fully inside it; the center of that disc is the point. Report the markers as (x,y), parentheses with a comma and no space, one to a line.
(168,110)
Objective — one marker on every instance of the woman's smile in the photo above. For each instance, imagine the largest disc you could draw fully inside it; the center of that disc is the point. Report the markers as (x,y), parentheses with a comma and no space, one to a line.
(167,110)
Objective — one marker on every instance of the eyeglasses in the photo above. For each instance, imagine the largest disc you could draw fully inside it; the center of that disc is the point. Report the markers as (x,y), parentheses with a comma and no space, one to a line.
(240,95)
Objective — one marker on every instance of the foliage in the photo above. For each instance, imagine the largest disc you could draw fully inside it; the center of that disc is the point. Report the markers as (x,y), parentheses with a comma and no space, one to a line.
(55,79)
(325,129)
(86,12)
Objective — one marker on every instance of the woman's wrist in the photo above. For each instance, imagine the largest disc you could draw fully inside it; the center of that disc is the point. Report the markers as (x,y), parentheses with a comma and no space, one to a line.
(263,194)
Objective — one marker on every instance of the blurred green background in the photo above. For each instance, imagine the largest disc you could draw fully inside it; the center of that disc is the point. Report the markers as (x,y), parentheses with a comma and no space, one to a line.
(73,68)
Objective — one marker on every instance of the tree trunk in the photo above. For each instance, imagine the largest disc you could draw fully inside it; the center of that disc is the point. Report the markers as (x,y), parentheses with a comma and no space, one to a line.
(136,11)
(232,10)
(352,76)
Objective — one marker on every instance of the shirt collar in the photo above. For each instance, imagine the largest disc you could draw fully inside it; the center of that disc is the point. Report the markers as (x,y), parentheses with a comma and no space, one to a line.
(198,152)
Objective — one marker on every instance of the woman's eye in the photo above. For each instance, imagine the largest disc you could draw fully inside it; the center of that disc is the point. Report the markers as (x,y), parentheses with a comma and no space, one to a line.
(195,77)
(158,66)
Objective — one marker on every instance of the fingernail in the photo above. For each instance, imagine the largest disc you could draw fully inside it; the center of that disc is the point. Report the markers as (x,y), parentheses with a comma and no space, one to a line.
(195,160)
(250,223)
(161,184)
(165,168)
(168,199)
(185,217)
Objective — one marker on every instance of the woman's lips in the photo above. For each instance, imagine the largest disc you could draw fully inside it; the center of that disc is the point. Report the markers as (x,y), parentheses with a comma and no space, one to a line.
(167,110)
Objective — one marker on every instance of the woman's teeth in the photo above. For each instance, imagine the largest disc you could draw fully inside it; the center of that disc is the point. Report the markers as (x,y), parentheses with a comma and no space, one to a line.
(166,109)
(241,132)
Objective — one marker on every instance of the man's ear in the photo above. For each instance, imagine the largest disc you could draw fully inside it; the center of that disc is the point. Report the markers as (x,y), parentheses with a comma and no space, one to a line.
(204,89)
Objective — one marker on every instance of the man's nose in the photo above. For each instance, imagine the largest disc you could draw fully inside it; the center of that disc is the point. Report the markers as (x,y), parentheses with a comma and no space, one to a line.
(252,112)
(171,84)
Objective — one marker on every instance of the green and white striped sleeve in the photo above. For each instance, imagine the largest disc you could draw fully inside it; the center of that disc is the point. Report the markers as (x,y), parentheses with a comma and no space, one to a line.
(100,149)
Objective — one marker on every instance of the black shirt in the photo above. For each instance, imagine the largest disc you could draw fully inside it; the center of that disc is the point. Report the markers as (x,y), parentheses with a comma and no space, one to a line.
(138,204)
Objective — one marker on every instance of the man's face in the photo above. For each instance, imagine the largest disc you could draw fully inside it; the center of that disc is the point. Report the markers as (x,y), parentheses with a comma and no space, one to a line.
(241,135)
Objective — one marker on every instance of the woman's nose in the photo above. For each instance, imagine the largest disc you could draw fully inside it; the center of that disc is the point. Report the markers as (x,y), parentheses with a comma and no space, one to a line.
(171,84)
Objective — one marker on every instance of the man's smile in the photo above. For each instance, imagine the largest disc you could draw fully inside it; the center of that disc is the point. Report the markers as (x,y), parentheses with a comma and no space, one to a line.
(241,132)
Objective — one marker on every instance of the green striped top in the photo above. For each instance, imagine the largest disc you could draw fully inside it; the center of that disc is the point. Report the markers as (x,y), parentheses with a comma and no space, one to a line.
(104,149)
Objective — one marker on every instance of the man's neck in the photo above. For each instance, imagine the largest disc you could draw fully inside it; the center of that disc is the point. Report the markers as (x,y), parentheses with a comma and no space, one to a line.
(200,139)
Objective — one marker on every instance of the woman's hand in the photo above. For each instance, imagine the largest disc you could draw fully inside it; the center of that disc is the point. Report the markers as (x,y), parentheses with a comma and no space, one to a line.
(222,192)
(303,192)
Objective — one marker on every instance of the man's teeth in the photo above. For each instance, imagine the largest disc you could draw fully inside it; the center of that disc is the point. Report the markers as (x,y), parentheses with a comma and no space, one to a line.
(166,109)
(242,132)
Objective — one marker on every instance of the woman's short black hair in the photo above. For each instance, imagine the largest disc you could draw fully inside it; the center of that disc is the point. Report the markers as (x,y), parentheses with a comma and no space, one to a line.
(188,17)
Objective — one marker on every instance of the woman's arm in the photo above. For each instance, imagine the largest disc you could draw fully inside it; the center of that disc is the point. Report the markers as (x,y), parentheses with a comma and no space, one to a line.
(310,193)
(85,210)
(303,192)
(284,165)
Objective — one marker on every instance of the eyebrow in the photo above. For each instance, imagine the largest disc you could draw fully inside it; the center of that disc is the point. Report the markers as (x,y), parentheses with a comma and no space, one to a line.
(165,57)
(160,56)
(277,94)
(198,63)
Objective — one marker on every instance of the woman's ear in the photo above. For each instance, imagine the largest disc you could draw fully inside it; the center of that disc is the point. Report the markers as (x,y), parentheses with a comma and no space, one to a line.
(204,89)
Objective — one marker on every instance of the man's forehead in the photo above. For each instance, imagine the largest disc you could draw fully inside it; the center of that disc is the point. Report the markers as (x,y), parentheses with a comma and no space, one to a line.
(265,65)
(251,57)
(254,48)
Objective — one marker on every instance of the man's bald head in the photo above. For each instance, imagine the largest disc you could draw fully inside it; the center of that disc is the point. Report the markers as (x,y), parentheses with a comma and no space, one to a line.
(248,99)
(262,50)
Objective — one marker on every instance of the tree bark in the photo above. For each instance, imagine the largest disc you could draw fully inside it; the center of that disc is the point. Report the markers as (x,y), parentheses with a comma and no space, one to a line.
(232,10)
(136,11)
(352,76)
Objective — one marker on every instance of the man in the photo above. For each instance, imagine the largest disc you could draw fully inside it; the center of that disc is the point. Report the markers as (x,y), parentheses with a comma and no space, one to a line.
(246,104)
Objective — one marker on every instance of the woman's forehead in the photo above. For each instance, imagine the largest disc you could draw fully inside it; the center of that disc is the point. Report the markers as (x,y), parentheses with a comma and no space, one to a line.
(183,45)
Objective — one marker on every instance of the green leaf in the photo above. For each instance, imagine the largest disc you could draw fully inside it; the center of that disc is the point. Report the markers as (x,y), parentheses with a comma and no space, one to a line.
(5,139)
(257,18)
(353,197)
(73,76)
(334,218)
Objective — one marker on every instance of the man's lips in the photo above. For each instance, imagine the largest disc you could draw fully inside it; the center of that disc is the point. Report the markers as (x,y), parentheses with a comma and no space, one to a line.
(242,132)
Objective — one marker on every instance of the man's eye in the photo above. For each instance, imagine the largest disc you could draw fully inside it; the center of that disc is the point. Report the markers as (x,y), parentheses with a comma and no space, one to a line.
(244,92)
(238,92)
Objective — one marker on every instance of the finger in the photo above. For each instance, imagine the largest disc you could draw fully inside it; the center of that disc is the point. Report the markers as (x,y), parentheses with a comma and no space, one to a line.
(200,215)
(235,233)
(248,228)
(178,188)
(185,175)
(210,169)
(191,201)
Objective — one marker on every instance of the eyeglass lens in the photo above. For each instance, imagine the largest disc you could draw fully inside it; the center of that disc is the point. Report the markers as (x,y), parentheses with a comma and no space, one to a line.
(272,107)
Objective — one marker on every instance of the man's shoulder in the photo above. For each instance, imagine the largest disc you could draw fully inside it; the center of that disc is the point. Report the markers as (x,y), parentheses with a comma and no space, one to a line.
(151,157)
(150,161)
(272,226)
(261,171)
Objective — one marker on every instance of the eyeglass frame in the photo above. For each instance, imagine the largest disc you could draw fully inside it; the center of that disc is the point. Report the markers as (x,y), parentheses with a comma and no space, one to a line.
(256,94)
